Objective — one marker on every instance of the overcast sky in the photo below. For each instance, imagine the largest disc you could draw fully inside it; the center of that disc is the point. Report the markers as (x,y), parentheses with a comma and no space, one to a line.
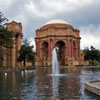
(81,14)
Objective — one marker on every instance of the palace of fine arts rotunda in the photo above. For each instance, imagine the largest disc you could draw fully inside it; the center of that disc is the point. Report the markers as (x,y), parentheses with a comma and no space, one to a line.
(60,34)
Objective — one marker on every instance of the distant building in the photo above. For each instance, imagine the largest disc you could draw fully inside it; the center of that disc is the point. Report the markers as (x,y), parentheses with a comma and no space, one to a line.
(10,59)
(60,34)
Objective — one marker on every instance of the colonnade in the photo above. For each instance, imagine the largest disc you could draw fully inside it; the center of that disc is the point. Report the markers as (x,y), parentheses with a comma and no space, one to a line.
(72,49)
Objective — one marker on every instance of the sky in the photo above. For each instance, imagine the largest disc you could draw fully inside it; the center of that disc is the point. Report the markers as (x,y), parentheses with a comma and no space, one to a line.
(81,14)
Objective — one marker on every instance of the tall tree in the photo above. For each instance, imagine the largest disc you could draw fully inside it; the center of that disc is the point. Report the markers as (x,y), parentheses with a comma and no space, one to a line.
(87,54)
(92,54)
(26,52)
(5,35)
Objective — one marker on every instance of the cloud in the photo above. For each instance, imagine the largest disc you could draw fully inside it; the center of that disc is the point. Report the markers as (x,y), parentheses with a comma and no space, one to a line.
(32,43)
(90,36)
(35,13)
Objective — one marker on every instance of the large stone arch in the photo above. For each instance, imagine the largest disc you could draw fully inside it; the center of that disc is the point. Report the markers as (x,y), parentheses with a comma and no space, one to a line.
(61,52)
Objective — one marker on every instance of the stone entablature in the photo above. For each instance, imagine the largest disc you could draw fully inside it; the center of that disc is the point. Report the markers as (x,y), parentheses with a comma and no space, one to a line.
(15,27)
(57,29)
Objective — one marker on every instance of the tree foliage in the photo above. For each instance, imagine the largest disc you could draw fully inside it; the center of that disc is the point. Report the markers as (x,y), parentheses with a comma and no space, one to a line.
(3,20)
(6,38)
(92,54)
(26,53)
(5,35)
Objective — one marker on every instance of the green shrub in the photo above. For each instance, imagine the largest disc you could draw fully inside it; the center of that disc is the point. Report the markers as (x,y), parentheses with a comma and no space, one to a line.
(94,62)
(31,67)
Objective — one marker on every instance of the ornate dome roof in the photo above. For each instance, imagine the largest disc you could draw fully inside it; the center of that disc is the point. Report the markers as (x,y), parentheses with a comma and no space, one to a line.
(56,22)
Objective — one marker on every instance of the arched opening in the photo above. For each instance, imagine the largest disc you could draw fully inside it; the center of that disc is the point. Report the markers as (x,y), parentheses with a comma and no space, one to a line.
(75,50)
(44,53)
(61,52)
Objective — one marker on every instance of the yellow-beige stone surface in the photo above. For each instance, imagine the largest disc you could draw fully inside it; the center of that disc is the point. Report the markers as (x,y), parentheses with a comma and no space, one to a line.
(10,59)
(58,33)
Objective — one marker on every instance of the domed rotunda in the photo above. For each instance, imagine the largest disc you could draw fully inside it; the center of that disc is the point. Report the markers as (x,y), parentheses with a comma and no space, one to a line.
(57,33)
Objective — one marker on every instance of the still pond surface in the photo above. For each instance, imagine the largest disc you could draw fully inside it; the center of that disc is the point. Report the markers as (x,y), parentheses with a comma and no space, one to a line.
(37,85)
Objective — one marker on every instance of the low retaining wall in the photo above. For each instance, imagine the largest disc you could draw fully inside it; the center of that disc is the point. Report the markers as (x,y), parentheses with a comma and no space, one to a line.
(91,87)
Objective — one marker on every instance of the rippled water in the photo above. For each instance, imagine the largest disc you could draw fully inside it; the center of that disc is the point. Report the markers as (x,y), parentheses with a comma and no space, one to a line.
(37,85)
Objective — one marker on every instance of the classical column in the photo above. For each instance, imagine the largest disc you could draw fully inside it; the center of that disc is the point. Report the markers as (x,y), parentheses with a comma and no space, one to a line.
(49,49)
(53,43)
(78,49)
(13,55)
(19,42)
(66,48)
(68,45)
(49,53)
(4,57)
(18,48)
(38,49)
(72,48)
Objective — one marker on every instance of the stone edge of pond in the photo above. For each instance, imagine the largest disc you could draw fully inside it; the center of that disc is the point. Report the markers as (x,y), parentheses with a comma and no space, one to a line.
(7,70)
(72,67)
(91,87)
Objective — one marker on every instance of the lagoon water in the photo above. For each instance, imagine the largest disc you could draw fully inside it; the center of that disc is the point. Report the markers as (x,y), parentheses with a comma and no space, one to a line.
(37,85)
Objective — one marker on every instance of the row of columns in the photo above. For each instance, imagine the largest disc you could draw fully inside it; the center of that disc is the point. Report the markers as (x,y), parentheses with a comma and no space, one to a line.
(70,48)
(11,59)
(51,45)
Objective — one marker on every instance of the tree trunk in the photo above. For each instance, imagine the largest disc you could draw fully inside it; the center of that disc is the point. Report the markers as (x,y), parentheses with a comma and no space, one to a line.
(24,62)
